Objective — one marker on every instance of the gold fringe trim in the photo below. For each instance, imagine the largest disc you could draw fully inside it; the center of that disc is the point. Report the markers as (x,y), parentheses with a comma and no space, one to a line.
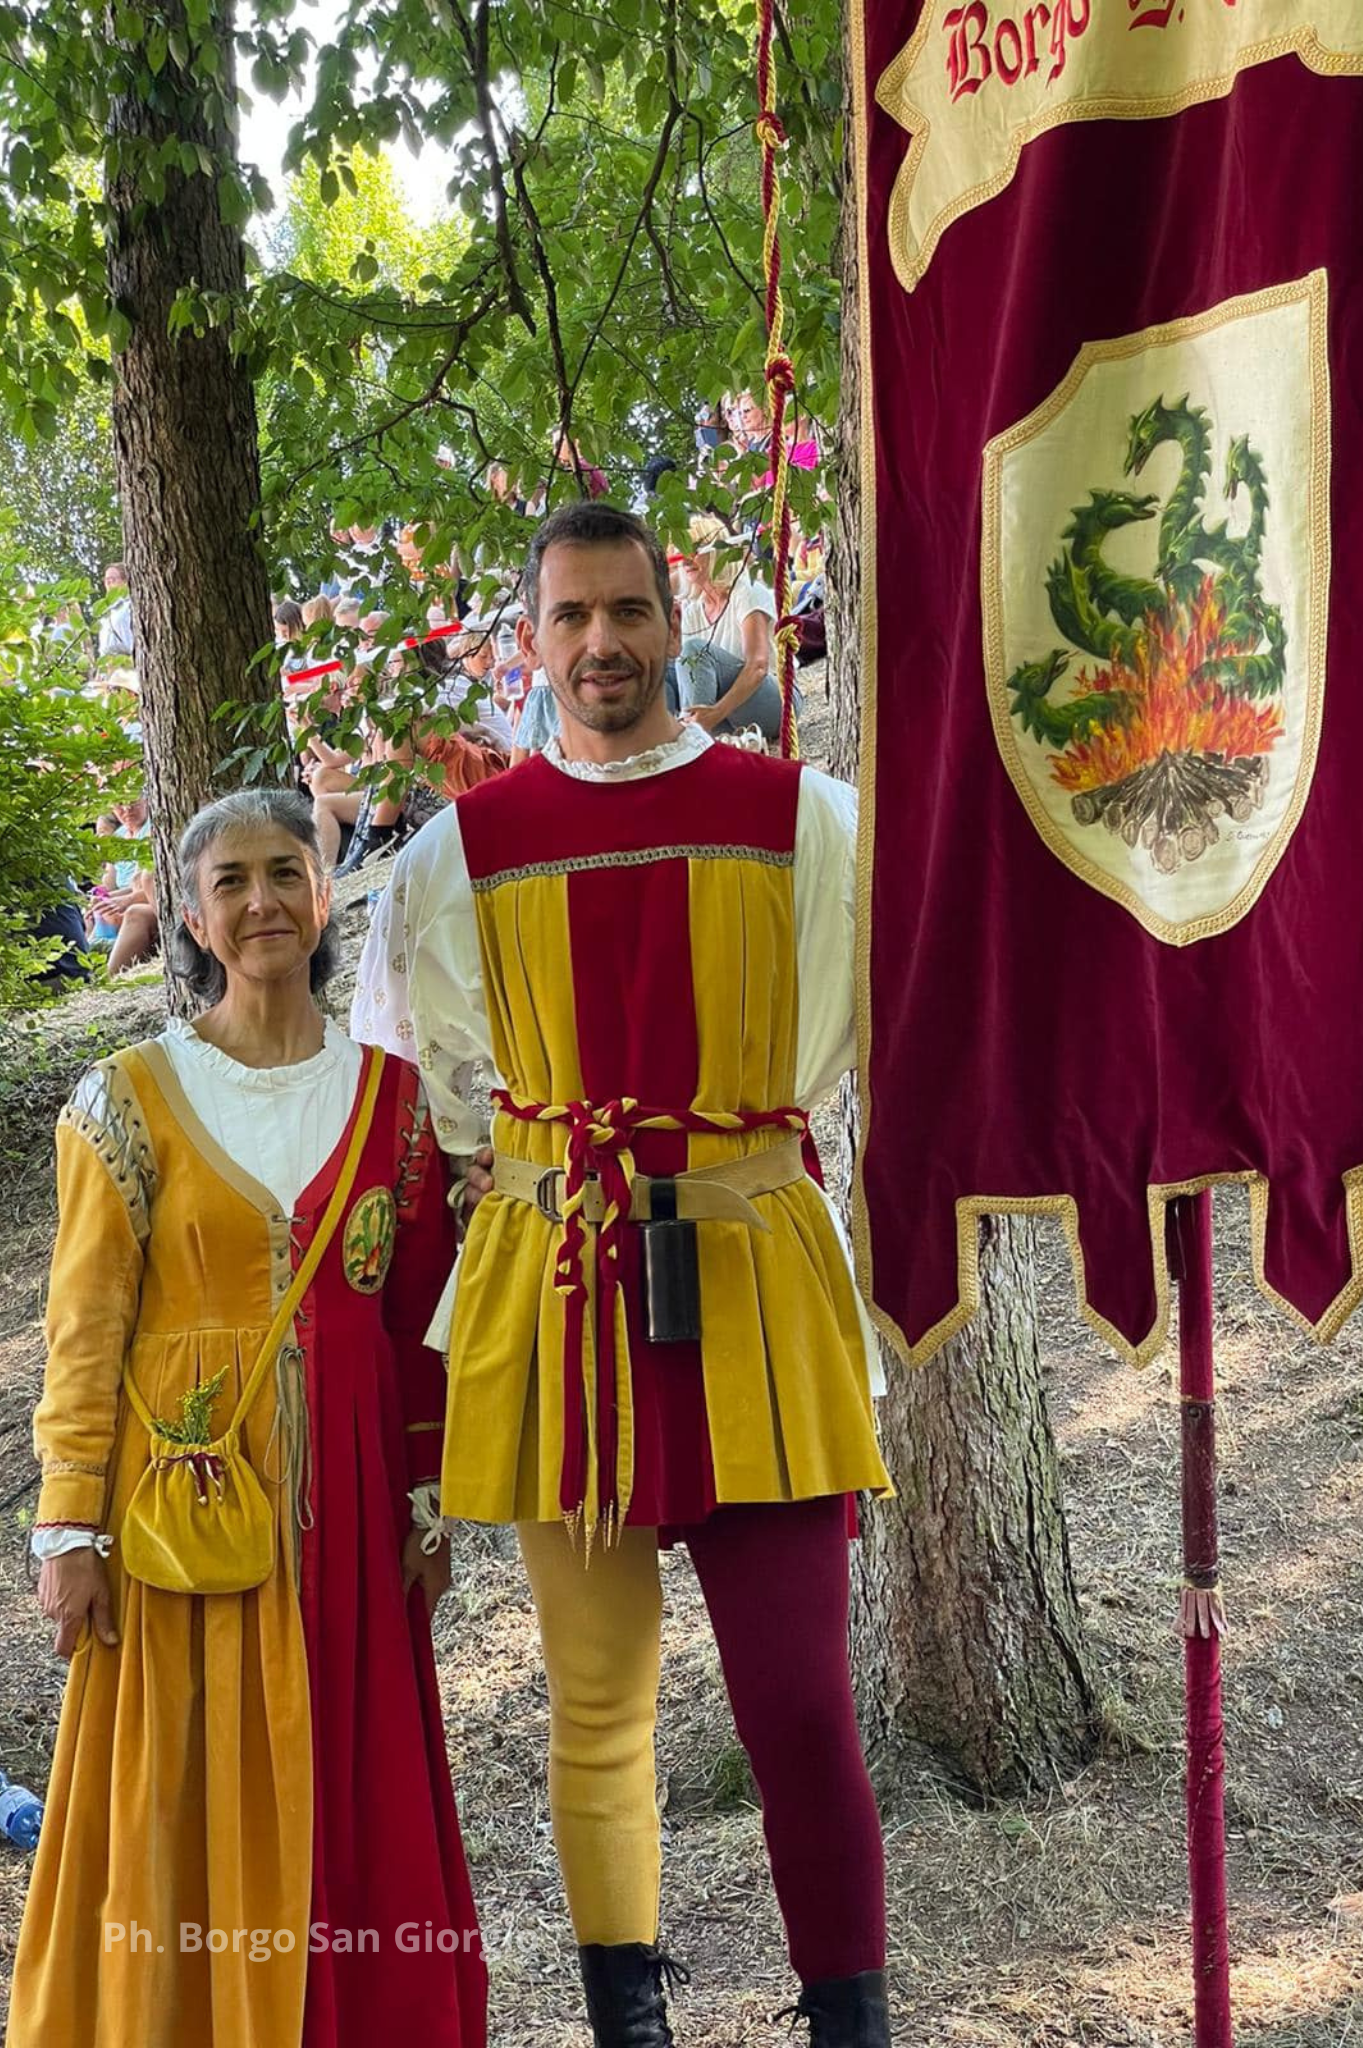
(970,1208)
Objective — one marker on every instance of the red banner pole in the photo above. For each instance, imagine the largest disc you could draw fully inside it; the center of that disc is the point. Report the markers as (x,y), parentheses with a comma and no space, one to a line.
(1189,1232)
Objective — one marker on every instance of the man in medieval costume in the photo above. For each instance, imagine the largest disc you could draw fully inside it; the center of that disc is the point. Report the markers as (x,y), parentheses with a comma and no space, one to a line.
(655,1335)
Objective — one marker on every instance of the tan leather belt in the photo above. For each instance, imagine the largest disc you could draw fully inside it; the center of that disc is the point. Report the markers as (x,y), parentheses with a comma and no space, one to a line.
(709,1193)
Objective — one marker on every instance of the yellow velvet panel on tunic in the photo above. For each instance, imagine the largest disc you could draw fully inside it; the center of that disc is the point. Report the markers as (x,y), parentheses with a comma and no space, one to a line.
(786,1388)
(181,1785)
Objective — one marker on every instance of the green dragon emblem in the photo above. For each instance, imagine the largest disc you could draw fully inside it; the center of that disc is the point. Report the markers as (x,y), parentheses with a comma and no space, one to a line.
(1172,726)
(370,1235)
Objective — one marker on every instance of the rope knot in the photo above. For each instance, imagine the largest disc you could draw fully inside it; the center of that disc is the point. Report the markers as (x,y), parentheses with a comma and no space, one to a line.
(781,373)
(770,132)
(599,1147)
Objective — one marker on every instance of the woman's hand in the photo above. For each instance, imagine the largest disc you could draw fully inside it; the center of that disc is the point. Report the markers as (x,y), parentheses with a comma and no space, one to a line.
(428,1569)
(74,1588)
(707,716)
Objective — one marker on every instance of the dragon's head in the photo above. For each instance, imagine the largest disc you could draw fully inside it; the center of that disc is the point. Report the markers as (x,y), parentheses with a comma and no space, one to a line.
(1031,686)
(1149,429)
(1112,509)
(1238,460)
(1037,677)
(1182,422)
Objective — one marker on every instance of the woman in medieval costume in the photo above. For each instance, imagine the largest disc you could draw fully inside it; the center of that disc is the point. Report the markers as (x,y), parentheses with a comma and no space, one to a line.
(250,1838)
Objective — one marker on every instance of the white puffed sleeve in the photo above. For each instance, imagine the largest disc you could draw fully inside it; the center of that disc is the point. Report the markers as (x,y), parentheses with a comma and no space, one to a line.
(825,924)
(419,992)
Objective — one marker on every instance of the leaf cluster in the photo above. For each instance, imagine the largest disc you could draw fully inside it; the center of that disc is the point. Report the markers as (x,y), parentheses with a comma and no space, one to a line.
(60,756)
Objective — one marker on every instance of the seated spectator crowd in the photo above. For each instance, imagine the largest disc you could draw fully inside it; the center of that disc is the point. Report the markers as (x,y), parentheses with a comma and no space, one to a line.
(383,735)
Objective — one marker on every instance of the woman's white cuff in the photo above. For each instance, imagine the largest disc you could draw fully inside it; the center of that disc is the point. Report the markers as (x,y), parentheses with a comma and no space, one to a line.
(427,1517)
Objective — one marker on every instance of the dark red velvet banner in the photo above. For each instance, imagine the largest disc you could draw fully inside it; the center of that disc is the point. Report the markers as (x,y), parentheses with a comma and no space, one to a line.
(1113,778)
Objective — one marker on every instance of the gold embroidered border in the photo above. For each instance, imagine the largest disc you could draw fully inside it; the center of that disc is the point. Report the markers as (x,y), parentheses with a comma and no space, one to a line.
(911,269)
(969,1209)
(636,857)
(1313,290)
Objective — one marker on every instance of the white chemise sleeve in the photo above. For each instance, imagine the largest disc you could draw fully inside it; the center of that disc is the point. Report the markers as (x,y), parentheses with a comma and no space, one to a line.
(825,915)
(419,990)
(825,948)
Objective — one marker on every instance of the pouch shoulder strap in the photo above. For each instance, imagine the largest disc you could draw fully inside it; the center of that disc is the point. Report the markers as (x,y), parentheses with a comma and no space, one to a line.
(312,1259)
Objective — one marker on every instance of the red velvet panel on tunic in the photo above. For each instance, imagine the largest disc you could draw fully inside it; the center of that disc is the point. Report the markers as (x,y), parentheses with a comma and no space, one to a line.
(387,1849)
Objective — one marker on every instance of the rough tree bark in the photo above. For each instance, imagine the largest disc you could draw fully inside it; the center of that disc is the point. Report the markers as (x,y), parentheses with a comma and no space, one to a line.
(187,448)
(967,1635)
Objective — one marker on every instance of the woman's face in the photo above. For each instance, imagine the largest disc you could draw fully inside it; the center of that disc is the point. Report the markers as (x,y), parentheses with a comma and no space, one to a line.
(696,569)
(262,907)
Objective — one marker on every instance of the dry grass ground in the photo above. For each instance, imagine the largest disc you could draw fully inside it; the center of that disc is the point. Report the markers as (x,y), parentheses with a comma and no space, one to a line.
(1058,1923)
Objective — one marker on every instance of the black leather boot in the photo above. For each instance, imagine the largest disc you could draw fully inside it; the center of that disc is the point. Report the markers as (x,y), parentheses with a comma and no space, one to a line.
(625,1999)
(847,2012)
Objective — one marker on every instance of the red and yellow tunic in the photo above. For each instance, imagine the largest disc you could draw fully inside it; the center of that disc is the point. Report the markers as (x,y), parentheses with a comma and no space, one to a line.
(635,939)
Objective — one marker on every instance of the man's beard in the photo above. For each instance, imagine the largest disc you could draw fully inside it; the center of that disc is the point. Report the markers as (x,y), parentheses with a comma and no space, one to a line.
(619,714)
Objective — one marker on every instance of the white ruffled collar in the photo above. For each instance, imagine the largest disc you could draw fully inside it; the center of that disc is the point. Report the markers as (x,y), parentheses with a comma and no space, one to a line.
(264,1080)
(691,742)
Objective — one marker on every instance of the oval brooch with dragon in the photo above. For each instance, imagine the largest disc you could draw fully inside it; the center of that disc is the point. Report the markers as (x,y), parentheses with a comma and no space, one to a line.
(370,1234)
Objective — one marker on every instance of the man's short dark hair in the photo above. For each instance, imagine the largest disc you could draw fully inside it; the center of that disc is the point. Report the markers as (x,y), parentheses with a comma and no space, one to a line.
(590,523)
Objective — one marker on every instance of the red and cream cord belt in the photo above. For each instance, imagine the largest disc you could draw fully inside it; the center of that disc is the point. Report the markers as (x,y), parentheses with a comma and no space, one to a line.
(600,1148)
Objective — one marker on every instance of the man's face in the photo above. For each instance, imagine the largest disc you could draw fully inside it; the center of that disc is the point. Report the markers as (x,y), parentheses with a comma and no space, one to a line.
(601,636)
(114,579)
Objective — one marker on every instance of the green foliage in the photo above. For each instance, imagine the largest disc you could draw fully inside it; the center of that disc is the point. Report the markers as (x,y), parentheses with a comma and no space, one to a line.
(61,492)
(598,264)
(359,232)
(608,175)
(54,741)
(193,1426)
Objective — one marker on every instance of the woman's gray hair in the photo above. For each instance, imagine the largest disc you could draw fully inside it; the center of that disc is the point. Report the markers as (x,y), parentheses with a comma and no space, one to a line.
(244,810)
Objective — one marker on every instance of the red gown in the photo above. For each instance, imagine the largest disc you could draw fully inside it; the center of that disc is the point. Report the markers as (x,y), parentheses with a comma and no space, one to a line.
(387,1850)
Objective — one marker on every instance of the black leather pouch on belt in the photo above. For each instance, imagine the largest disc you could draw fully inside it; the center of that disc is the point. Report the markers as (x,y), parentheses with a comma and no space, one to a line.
(671,1271)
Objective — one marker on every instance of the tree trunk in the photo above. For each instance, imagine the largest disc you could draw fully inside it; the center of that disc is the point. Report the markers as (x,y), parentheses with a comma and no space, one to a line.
(967,1635)
(186,442)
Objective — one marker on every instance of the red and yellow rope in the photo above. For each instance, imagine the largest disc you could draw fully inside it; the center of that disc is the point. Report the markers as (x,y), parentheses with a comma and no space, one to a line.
(780,374)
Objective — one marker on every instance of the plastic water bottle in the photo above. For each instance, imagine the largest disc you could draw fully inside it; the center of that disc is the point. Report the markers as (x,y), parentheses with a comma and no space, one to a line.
(21,1814)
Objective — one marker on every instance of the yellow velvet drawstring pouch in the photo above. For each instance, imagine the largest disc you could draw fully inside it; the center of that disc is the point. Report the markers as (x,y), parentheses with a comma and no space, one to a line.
(199,1520)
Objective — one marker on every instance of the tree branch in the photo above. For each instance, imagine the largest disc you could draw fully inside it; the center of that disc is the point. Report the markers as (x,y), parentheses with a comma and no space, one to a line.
(651,183)
(475,38)
(405,411)
(702,151)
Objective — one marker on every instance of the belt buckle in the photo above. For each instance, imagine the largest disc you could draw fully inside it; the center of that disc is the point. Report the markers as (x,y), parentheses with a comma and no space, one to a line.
(545,1197)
